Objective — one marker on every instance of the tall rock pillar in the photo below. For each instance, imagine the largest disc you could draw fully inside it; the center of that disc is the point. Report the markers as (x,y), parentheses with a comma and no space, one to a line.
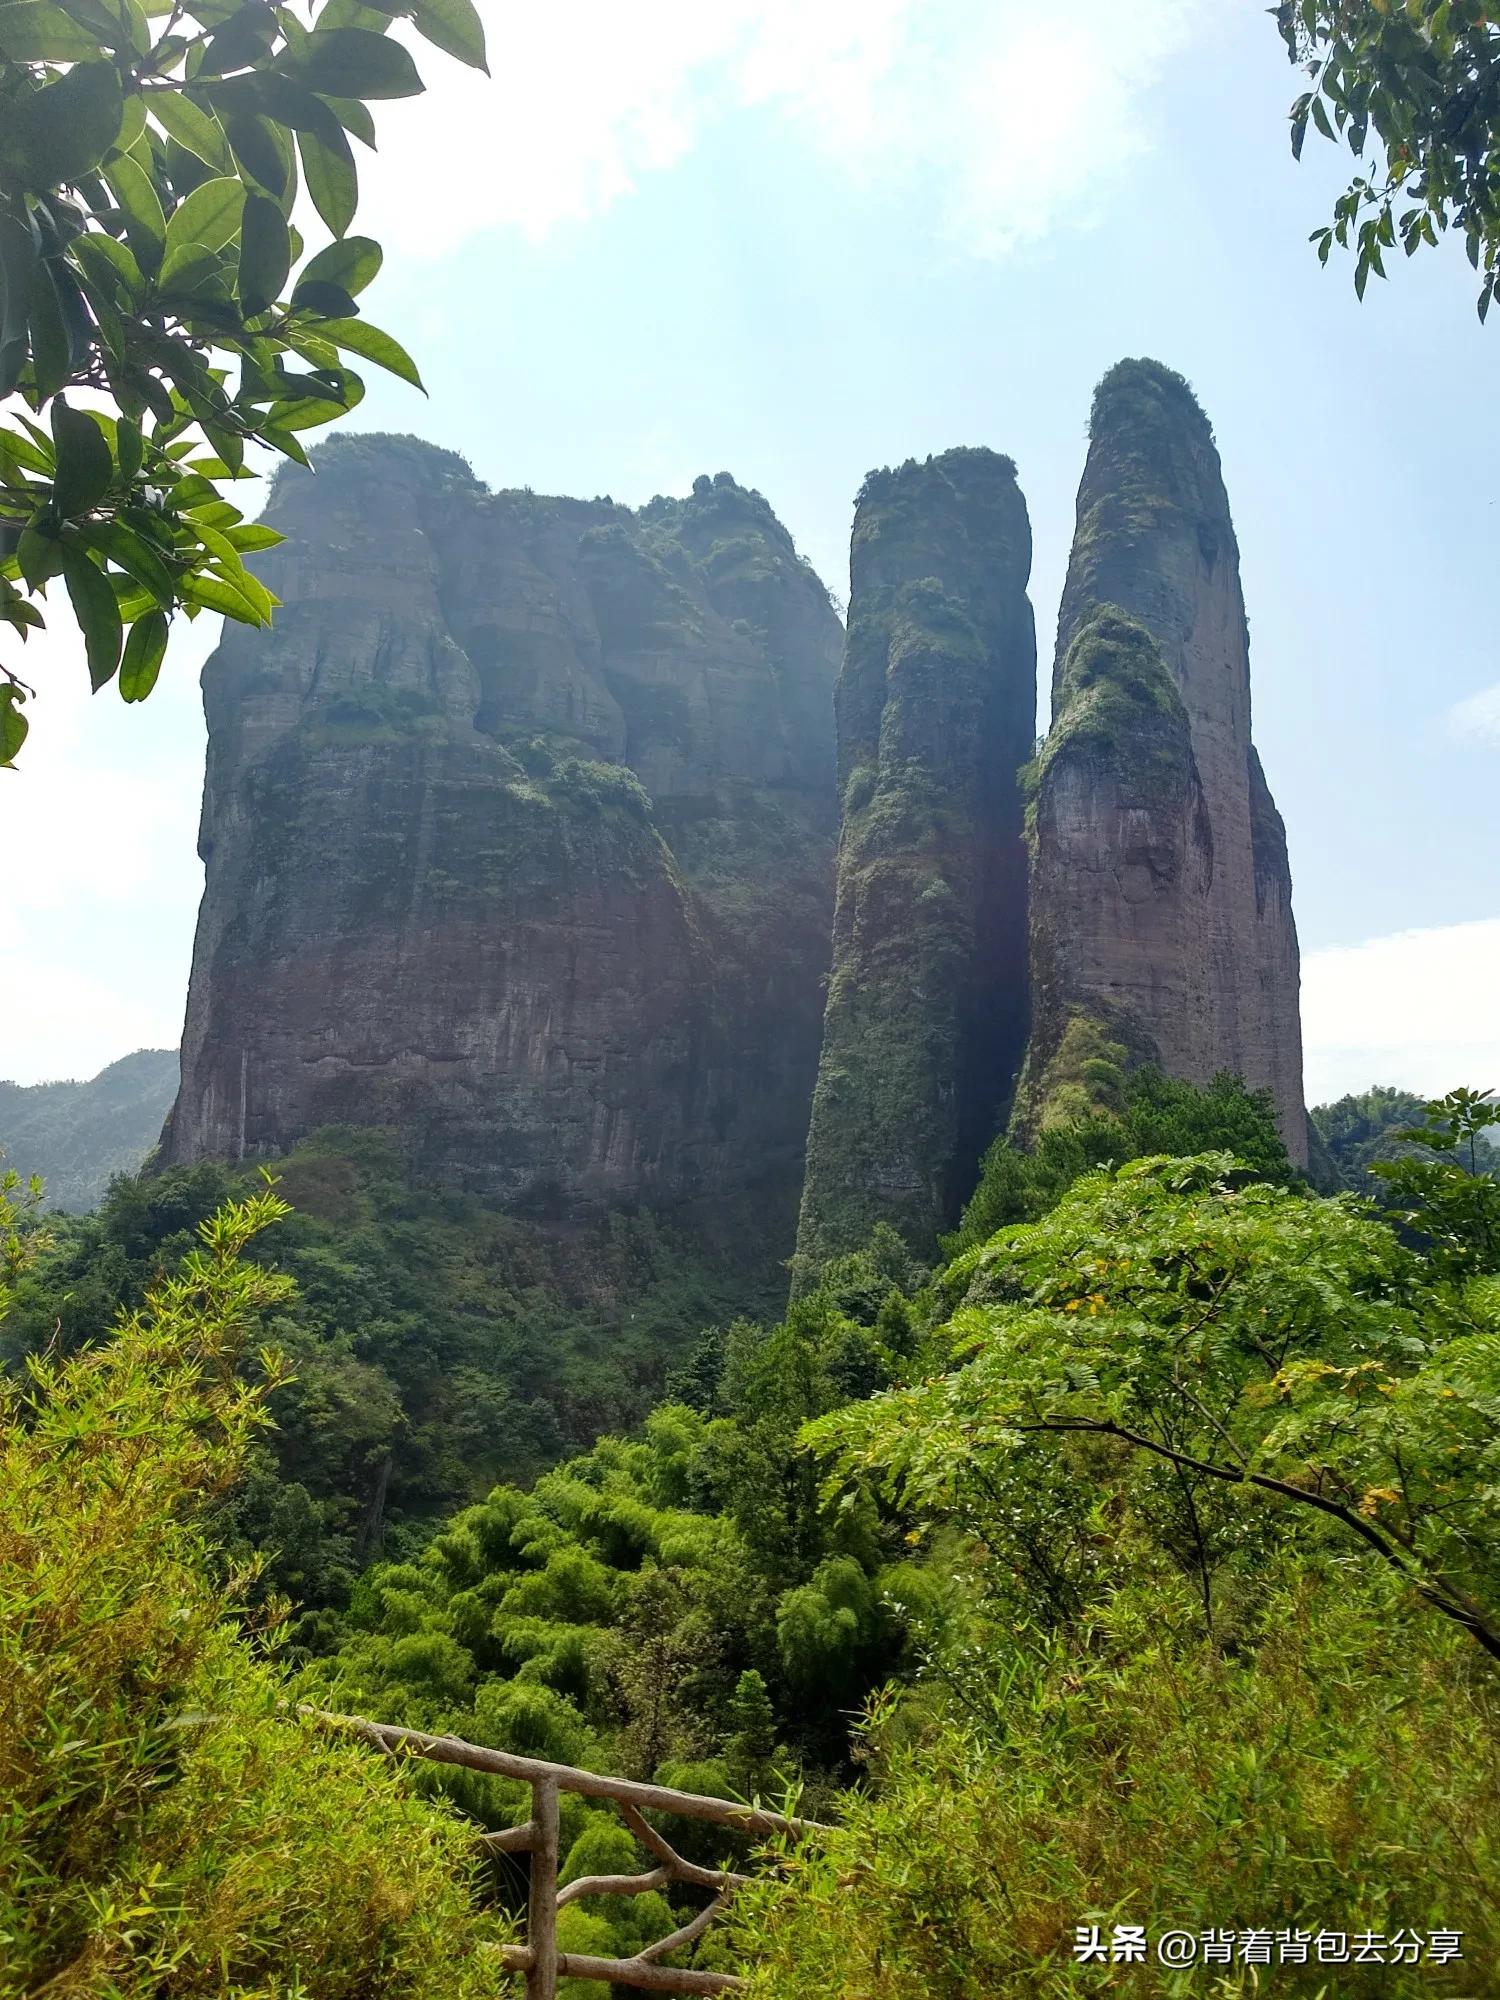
(1161,898)
(936,712)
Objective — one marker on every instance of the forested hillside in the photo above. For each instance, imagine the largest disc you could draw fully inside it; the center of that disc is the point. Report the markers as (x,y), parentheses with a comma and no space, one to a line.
(1169,1491)
(435,1344)
(77,1135)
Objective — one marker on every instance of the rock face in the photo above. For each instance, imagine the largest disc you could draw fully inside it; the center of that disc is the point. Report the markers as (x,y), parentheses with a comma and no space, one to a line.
(936,708)
(518,830)
(1160,893)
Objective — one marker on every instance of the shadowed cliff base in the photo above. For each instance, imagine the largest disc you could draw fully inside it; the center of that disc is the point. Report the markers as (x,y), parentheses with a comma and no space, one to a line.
(936,707)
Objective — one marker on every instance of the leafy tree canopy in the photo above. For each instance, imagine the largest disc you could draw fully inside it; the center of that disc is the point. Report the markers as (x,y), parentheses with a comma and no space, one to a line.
(1417,83)
(158,314)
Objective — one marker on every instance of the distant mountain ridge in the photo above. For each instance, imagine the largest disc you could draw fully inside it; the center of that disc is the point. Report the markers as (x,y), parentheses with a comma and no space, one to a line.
(77,1135)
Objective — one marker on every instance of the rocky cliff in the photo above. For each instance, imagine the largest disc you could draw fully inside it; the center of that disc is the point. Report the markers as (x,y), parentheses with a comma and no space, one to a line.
(1161,924)
(518,830)
(936,708)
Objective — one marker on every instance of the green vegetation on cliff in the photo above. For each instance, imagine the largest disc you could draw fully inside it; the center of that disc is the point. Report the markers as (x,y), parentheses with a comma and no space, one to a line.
(936,713)
(1155,461)
(1115,702)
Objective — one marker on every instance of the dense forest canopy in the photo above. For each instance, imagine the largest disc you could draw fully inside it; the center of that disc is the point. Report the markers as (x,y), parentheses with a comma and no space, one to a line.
(934,1553)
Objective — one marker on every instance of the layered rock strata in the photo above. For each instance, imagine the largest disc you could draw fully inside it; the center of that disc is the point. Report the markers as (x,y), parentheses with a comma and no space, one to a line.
(936,709)
(518,830)
(1160,892)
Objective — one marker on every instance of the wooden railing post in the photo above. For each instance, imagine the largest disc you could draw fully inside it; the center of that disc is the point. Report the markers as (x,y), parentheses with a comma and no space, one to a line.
(539,1957)
(541,1907)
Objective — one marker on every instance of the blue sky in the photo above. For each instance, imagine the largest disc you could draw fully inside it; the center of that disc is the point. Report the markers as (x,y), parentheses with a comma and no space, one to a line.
(799,240)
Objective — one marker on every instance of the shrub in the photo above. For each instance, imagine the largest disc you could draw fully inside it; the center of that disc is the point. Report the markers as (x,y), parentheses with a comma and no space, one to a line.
(170,1828)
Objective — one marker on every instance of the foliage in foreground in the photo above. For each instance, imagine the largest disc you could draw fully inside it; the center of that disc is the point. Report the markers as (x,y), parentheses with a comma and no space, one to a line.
(679,1606)
(1166,1519)
(435,1346)
(1222,1461)
(149,167)
(1127,1115)
(169,1830)
(1338,1767)
(1422,77)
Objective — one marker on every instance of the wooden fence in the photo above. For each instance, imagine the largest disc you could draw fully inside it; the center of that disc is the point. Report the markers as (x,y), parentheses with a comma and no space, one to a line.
(539,1957)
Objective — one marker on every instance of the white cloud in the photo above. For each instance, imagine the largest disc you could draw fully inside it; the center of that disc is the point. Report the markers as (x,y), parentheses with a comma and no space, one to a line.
(65,1025)
(1417,1009)
(1477,717)
(1020,123)
(98,827)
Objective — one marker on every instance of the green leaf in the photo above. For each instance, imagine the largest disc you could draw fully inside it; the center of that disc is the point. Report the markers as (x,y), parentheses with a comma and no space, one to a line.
(144,651)
(145,225)
(132,123)
(206,221)
(97,611)
(212,593)
(226,562)
(454,27)
(350,264)
(245,38)
(351,14)
(37,31)
(136,557)
(199,131)
(103,257)
(262,152)
(39,557)
(18,257)
(265,255)
(329,300)
(284,441)
(352,62)
(128,446)
(230,447)
(305,413)
(253,535)
(215,514)
(60,133)
(328,172)
(112,30)
(359,337)
(23,616)
(84,466)
(51,349)
(34,454)
(354,117)
(13,725)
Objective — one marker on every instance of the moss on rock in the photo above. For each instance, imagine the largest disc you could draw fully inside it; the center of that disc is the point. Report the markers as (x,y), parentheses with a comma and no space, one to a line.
(936,712)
